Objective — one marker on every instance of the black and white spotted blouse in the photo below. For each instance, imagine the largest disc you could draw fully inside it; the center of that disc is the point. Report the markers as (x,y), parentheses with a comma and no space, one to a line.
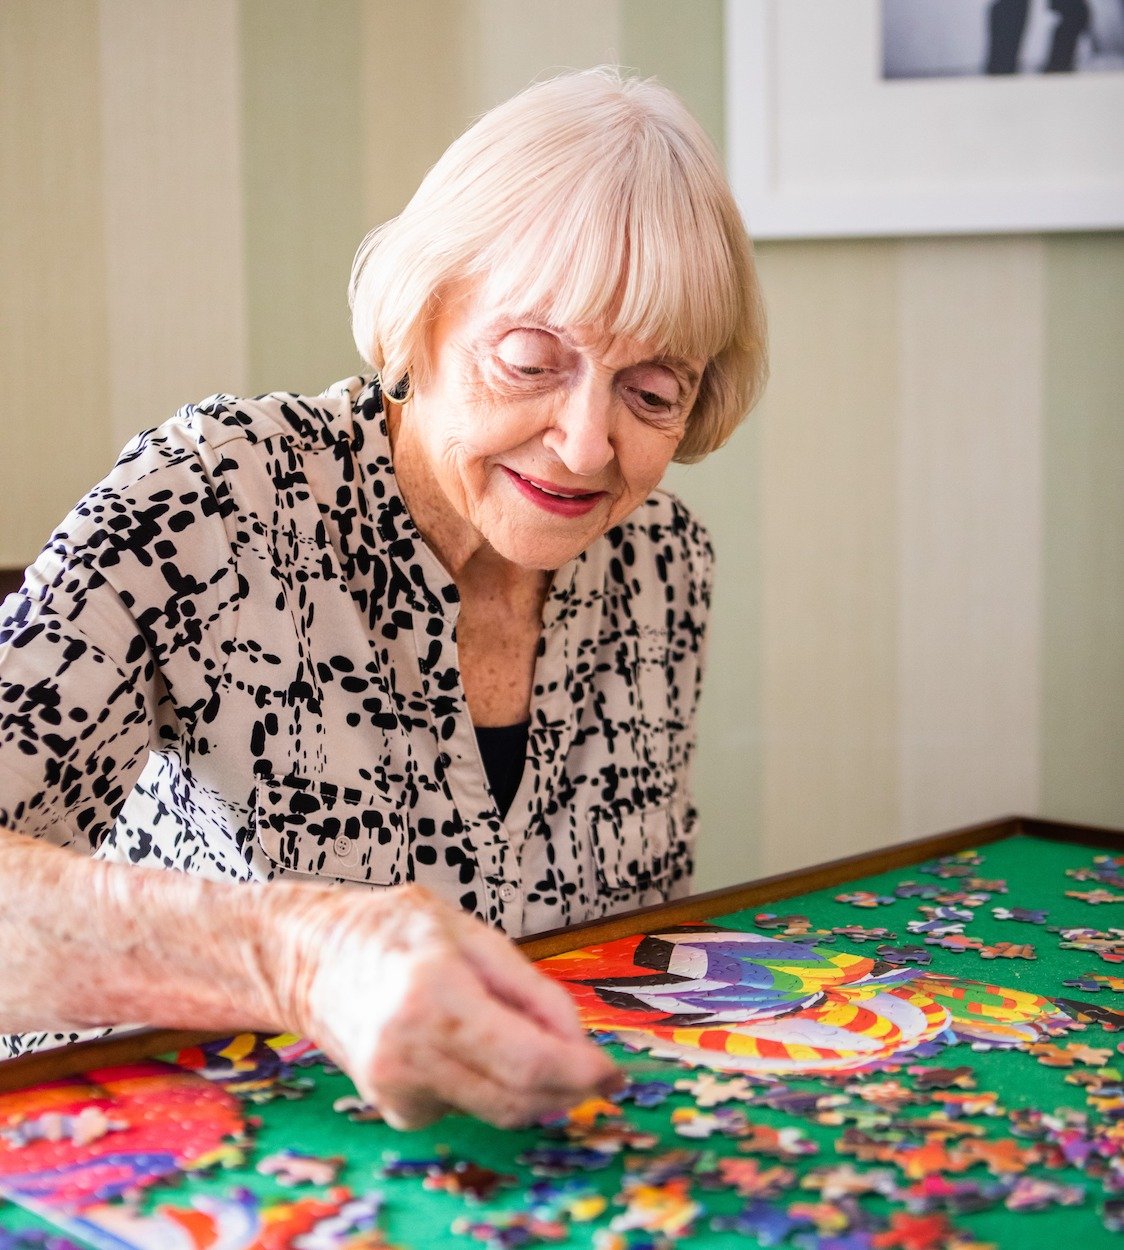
(237,657)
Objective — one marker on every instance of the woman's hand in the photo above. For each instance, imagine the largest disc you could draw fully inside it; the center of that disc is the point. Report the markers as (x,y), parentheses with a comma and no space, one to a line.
(428,1010)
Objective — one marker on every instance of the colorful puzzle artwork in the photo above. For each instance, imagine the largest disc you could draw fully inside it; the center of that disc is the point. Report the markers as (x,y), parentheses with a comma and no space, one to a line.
(742,1001)
(795,1080)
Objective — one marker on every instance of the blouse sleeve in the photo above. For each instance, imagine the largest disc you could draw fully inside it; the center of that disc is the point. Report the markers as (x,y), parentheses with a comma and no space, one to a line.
(116,639)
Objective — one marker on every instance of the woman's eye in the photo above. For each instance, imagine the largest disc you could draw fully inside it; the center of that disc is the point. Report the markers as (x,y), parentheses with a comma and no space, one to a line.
(653,401)
(526,353)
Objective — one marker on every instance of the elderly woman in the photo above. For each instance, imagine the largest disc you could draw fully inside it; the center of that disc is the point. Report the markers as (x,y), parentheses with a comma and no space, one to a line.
(434,634)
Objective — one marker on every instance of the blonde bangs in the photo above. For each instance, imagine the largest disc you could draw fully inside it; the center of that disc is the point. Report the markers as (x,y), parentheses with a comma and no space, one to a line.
(617,248)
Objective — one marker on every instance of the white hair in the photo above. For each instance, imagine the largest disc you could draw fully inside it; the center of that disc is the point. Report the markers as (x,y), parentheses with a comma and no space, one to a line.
(591,199)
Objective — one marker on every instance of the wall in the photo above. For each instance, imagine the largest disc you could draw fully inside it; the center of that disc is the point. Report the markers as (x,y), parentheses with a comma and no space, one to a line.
(921,530)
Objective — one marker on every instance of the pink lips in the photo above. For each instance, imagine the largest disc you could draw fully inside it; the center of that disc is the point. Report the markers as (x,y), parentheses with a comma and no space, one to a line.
(560,500)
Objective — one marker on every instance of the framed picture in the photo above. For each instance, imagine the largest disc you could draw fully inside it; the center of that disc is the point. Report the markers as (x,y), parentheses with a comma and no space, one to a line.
(887,117)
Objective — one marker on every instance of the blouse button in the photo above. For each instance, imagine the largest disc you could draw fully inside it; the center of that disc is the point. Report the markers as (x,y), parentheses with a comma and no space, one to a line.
(342,845)
(508,892)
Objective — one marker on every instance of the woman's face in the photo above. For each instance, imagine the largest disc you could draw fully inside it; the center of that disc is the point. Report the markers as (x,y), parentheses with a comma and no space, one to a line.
(533,438)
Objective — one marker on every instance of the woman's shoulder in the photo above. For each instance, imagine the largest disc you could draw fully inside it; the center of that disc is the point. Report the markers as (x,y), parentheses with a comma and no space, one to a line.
(309,422)
(662,519)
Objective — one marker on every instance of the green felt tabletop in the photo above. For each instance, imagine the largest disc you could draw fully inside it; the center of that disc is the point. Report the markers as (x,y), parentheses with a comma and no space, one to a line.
(1035,873)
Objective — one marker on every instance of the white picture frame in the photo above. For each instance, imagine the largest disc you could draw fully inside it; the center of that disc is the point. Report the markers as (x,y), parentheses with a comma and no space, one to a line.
(820,145)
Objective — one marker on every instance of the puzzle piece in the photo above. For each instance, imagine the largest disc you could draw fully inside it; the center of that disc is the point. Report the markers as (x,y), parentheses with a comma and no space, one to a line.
(294,1167)
(357,1110)
(1027,915)
(769,1225)
(845,1181)
(568,1198)
(942,1078)
(782,1143)
(468,1180)
(510,1230)
(710,1090)
(945,911)
(938,1193)
(982,1103)
(958,943)
(1095,897)
(587,1113)
(645,1093)
(666,1208)
(1008,950)
(549,1160)
(856,933)
(695,1123)
(395,1167)
(891,1095)
(963,898)
(1107,943)
(751,1180)
(905,955)
(935,928)
(916,889)
(1033,1194)
(864,898)
(1001,1156)
(913,1232)
(1087,983)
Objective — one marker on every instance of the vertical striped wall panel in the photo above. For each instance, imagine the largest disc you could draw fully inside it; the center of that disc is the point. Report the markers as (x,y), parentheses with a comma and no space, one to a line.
(828,524)
(170,81)
(1083,550)
(969,486)
(54,357)
(303,182)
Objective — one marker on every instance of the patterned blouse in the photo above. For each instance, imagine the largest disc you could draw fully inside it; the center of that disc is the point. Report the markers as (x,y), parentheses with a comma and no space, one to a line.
(238,657)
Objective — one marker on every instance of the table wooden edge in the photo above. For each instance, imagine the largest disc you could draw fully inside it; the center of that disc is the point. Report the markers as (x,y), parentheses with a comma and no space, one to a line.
(139,1044)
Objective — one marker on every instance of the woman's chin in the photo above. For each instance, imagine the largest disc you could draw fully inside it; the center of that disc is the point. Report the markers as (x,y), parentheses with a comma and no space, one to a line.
(541,552)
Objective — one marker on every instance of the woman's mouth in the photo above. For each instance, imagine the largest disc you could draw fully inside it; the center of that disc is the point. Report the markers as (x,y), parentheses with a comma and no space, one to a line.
(560,500)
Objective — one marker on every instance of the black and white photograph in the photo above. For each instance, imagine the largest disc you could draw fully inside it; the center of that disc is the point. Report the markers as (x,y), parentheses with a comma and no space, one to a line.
(966,38)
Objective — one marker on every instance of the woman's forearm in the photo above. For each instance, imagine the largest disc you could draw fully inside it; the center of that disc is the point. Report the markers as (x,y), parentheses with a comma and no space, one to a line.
(426,1008)
(89,943)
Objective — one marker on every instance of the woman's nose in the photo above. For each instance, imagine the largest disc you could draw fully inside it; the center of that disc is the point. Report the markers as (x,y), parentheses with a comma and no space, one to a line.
(581,434)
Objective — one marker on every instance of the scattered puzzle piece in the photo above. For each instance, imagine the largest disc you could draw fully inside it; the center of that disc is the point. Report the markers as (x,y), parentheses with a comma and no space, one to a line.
(942,1078)
(1095,897)
(1033,1194)
(1026,915)
(645,1093)
(905,955)
(293,1167)
(769,1225)
(782,1143)
(510,1230)
(468,1180)
(864,898)
(710,1090)
(913,1232)
(856,933)
(1008,950)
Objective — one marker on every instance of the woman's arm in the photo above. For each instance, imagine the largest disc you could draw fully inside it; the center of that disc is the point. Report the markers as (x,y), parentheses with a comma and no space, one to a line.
(425,1007)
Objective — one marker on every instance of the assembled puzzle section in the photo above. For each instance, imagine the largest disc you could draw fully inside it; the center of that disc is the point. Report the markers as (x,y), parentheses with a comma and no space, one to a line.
(803,1079)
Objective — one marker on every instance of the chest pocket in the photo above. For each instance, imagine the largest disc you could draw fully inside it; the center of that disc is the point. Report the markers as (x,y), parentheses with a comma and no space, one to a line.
(632,850)
(324,830)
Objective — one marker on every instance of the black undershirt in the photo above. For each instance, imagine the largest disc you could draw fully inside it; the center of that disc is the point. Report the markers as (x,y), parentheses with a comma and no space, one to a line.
(503,750)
